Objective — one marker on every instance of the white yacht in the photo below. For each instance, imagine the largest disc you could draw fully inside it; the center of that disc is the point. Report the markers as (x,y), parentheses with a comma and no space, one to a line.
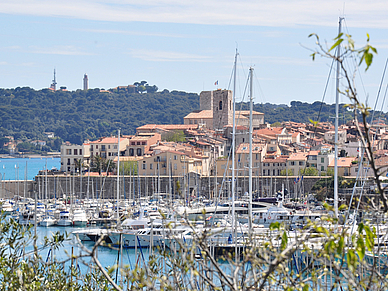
(79,217)
(48,219)
(241,208)
(128,232)
(65,219)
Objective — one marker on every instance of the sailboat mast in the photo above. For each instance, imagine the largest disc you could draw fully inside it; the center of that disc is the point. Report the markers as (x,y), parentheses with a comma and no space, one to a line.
(336,126)
(118,175)
(250,149)
(234,141)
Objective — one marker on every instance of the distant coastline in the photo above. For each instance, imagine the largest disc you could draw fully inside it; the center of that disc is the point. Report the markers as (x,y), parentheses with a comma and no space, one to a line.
(31,156)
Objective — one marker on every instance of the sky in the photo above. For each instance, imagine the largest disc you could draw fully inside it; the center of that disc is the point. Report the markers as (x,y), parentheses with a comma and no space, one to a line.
(190,45)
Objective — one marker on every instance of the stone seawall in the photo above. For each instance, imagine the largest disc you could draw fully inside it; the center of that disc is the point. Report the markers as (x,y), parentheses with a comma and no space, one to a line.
(136,186)
(10,189)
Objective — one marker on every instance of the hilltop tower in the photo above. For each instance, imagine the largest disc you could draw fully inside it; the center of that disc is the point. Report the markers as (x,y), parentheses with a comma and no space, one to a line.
(54,83)
(86,82)
(222,108)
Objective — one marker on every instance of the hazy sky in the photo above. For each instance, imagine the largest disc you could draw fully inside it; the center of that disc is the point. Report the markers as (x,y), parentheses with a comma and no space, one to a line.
(187,45)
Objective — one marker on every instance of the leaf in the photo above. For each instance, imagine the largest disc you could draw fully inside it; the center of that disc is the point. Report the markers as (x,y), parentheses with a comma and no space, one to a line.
(315,123)
(339,36)
(337,43)
(341,244)
(368,60)
(360,248)
(274,225)
(284,241)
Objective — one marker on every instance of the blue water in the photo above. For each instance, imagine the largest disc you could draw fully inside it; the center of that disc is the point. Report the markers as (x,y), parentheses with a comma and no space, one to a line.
(15,169)
(107,256)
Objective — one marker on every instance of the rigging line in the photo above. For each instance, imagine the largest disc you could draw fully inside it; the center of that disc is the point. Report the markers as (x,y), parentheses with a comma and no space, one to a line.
(374,138)
(260,89)
(231,75)
(319,113)
(378,92)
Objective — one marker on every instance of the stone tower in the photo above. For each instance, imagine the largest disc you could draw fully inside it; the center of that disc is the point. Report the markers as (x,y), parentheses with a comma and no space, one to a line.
(222,108)
(206,100)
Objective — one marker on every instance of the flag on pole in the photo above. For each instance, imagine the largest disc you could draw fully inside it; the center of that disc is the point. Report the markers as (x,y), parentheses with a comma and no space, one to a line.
(216,83)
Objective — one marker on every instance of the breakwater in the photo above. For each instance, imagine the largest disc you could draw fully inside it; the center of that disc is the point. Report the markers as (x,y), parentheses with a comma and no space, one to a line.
(189,186)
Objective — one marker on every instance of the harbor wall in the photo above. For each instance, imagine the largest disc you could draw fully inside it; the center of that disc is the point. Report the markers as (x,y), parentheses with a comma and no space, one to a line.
(10,189)
(62,186)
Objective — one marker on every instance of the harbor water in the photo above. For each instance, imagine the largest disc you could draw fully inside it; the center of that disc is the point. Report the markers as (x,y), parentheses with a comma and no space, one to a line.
(26,168)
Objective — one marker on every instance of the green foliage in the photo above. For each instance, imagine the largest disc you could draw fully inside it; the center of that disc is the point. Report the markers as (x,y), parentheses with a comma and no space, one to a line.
(76,116)
(286,172)
(128,168)
(309,171)
(176,136)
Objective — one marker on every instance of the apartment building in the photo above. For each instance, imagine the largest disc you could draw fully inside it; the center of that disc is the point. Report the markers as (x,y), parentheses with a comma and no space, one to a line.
(106,147)
(72,153)
(139,145)
(274,166)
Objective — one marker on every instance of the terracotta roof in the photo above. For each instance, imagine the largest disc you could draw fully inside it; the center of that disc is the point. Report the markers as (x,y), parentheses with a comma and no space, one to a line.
(269,131)
(298,156)
(169,126)
(246,112)
(112,140)
(343,162)
(200,114)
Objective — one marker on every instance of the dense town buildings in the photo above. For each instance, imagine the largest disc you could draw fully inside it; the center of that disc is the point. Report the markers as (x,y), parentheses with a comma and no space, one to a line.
(203,144)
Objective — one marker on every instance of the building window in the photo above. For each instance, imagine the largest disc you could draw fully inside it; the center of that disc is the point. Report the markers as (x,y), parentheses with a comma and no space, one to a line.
(257,156)
(75,152)
(175,167)
(151,166)
(68,152)
(131,152)
(96,146)
(143,143)
(138,143)
(80,152)
(301,163)
(133,143)
(220,105)
(322,168)
(322,160)
(292,163)
(138,152)
(115,147)
(175,157)
(144,166)
(108,146)
(274,172)
(68,161)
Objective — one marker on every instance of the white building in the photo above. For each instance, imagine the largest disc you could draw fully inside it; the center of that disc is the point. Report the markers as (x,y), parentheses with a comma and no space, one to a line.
(71,153)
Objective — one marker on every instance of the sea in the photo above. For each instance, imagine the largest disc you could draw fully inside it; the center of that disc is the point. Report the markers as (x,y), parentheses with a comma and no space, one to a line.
(26,168)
